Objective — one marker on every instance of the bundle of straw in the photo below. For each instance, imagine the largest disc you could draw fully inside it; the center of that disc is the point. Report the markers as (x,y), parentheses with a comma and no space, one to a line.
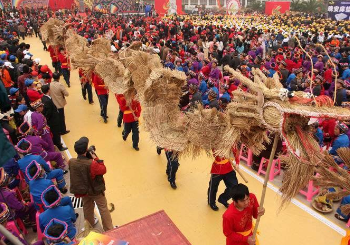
(52,32)
(331,175)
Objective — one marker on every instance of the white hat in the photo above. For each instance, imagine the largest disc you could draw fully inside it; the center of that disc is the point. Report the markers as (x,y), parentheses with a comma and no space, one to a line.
(27,57)
(312,121)
(37,61)
(113,49)
(8,64)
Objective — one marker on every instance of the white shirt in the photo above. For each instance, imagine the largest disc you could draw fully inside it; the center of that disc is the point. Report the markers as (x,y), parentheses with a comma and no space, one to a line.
(28,117)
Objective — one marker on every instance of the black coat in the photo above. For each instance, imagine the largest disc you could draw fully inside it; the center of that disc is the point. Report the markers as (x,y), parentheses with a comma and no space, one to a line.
(51,113)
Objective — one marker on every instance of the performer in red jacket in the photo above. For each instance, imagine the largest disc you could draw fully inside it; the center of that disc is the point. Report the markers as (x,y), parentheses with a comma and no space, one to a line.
(238,218)
(131,113)
(221,169)
(54,51)
(65,66)
(102,94)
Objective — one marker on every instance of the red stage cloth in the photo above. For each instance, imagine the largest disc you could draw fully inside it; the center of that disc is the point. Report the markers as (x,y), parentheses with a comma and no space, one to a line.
(60,4)
(161,7)
(153,229)
(281,7)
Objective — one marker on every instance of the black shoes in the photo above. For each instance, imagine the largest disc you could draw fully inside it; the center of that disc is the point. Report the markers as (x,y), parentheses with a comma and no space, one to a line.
(63,148)
(66,132)
(159,150)
(64,190)
(65,171)
(119,125)
(84,97)
(124,138)
(224,203)
(173,185)
(105,120)
(136,148)
(91,102)
(214,207)
(76,215)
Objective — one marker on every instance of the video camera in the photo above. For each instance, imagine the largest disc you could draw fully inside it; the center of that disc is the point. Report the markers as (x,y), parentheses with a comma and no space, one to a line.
(91,152)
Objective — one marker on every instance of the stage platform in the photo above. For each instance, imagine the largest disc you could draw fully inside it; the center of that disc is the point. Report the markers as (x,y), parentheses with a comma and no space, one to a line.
(153,229)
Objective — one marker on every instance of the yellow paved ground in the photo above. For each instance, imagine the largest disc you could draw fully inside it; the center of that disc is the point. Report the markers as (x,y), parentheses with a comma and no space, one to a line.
(137,185)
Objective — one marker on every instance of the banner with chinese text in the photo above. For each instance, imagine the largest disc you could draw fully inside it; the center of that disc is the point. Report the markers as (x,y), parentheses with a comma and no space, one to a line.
(339,10)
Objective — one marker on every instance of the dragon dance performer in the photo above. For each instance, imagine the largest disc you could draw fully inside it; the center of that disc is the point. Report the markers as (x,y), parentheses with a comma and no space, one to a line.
(238,218)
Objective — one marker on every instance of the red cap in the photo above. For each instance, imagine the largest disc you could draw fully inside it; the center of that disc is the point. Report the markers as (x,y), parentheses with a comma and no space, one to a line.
(35,73)
(44,69)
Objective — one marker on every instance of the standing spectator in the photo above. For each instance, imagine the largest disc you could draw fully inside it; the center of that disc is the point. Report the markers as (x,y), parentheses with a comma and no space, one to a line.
(22,31)
(5,76)
(86,175)
(58,94)
(341,93)
(53,117)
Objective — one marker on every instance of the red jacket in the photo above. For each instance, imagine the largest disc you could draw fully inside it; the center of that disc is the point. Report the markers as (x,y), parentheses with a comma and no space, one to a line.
(206,70)
(99,84)
(34,95)
(64,61)
(97,168)
(53,53)
(328,75)
(221,166)
(235,221)
(292,65)
(129,114)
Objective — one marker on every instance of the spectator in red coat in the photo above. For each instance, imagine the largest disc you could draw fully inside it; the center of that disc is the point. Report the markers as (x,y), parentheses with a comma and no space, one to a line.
(131,109)
(32,92)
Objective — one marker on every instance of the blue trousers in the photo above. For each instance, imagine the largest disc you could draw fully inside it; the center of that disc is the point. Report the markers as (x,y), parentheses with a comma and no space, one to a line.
(344,201)
(66,75)
(134,127)
(172,165)
(103,99)
(58,175)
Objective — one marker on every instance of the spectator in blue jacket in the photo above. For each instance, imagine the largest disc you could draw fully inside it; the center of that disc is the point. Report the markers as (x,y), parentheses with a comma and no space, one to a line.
(342,139)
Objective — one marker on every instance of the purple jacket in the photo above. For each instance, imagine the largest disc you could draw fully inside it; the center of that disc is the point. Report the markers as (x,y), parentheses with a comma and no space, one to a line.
(307,65)
(215,73)
(38,144)
(39,123)
(9,197)
(319,66)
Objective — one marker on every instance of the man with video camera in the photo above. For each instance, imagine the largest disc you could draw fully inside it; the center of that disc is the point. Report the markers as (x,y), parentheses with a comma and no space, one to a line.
(86,176)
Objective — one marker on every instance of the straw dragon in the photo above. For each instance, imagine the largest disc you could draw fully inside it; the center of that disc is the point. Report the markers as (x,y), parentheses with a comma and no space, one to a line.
(267,108)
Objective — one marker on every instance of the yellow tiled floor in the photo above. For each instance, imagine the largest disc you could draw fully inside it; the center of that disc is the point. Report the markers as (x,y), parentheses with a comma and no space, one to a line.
(137,185)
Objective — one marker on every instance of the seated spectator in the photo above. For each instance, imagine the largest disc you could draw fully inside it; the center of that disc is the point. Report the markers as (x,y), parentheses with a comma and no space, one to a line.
(52,198)
(22,210)
(341,139)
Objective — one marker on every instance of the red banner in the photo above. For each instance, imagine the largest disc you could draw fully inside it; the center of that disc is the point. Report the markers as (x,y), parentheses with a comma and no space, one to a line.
(276,7)
(167,6)
(60,4)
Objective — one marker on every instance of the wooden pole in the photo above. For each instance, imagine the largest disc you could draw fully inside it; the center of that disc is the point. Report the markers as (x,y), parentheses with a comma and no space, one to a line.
(267,175)
(239,172)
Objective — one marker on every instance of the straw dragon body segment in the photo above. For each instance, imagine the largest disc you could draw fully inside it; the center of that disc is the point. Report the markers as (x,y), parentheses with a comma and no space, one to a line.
(266,108)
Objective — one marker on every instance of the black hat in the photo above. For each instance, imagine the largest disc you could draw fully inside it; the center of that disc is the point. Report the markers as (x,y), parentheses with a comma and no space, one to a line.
(81,145)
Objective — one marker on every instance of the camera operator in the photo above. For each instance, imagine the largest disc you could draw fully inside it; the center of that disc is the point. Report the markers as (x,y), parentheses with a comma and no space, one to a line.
(86,176)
